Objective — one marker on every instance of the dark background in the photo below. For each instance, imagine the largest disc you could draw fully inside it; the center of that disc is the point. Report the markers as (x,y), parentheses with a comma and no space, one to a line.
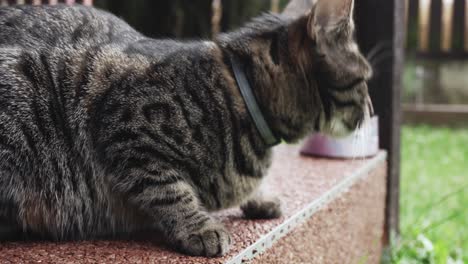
(183,18)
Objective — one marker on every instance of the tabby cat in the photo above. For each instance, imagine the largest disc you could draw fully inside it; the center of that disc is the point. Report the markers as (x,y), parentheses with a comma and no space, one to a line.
(104,131)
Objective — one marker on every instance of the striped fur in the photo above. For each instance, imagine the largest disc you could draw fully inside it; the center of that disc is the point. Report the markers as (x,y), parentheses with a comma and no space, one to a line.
(106,132)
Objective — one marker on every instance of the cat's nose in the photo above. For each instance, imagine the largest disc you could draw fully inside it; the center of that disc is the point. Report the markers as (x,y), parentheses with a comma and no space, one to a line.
(370,106)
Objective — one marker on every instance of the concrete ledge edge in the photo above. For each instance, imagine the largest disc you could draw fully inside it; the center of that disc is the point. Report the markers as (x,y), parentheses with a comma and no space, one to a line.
(268,240)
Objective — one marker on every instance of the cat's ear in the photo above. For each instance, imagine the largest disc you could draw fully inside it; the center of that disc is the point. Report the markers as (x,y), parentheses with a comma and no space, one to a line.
(330,15)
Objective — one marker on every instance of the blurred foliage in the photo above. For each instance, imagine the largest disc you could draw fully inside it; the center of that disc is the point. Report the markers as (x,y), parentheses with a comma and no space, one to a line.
(412,82)
(434,81)
(422,250)
(434,197)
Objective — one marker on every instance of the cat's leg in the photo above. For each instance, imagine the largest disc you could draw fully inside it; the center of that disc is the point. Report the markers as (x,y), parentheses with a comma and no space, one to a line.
(262,206)
(176,211)
(201,235)
(192,230)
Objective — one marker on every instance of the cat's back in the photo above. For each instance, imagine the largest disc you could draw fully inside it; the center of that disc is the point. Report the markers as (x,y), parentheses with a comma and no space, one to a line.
(37,27)
(54,46)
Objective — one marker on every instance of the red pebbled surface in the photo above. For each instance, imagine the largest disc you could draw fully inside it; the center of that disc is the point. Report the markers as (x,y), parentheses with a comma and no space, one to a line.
(348,230)
(295,179)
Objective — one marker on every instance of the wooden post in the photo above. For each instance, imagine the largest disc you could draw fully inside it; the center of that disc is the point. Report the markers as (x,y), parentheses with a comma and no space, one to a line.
(275,6)
(458,27)
(406,11)
(217,10)
(382,22)
(406,21)
(466,26)
(447,25)
(424,24)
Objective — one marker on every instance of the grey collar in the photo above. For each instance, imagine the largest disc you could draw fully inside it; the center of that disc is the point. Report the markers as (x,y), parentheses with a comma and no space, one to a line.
(252,105)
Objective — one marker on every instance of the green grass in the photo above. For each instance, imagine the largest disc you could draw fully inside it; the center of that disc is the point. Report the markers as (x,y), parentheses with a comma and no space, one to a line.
(434,197)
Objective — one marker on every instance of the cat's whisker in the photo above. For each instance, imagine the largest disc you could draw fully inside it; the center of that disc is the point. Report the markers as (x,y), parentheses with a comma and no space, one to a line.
(376,64)
(380,47)
(365,136)
(378,59)
(362,138)
(356,142)
(355,145)
(359,142)
(377,47)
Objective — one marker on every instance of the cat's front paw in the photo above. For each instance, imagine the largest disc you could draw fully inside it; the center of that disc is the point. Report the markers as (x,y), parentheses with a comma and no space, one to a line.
(262,209)
(210,241)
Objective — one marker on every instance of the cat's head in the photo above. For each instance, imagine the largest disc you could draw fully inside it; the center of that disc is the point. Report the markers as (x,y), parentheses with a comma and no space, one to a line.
(307,72)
